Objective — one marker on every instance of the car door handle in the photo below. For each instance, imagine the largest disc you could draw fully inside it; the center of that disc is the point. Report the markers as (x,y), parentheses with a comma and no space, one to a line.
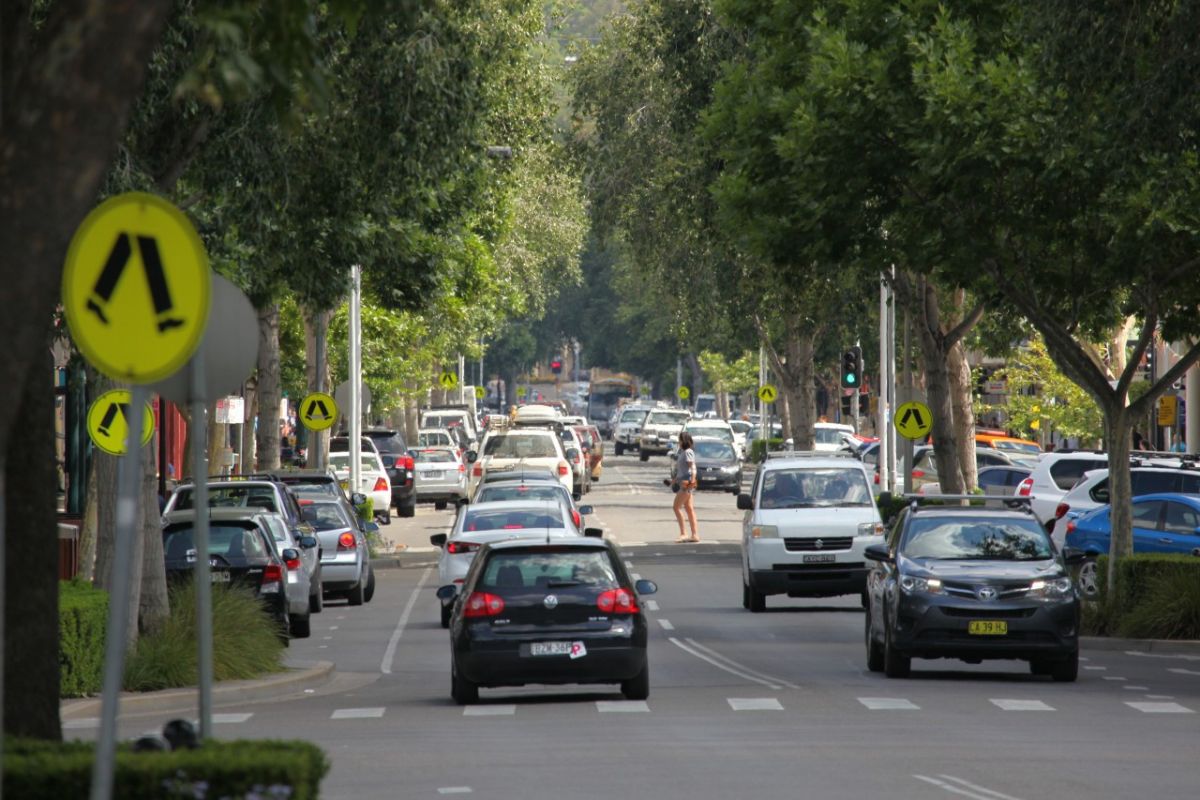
(1164,540)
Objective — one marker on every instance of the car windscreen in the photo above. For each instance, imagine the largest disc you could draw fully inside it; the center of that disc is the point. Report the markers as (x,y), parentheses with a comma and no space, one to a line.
(667,418)
(520,445)
(434,457)
(309,490)
(1017,447)
(740,426)
(976,538)
(434,438)
(633,416)
(501,492)
(230,497)
(716,432)
(549,570)
(814,488)
(827,436)
(341,462)
(714,451)
(442,420)
(494,519)
(235,544)
(326,516)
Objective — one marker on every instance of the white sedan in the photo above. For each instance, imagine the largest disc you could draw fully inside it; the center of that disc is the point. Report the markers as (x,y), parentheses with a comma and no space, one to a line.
(373,480)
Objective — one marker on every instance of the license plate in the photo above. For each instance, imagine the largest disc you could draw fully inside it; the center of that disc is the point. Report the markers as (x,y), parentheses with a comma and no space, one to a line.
(219,577)
(823,558)
(550,649)
(987,627)
(432,474)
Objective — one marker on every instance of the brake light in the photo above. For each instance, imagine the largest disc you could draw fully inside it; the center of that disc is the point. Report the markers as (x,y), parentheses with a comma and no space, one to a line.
(346,541)
(563,469)
(1070,527)
(305,502)
(462,467)
(617,601)
(408,462)
(514,527)
(918,473)
(478,471)
(293,563)
(454,548)
(482,604)
(380,485)
(1025,488)
(272,579)
(1062,509)
(575,516)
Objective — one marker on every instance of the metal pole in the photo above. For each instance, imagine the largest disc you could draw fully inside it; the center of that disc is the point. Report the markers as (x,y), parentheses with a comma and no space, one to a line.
(316,450)
(355,411)
(201,574)
(855,398)
(129,471)
(1192,410)
(908,380)
(881,415)
(764,424)
(889,431)
(678,377)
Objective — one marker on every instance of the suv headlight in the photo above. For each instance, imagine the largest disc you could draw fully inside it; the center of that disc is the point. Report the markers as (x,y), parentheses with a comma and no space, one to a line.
(764,532)
(913,585)
(731,469)
(870,529)
(1052,589)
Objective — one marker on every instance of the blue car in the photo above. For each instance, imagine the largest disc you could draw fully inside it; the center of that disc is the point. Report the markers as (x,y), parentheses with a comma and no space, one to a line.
(1162,523)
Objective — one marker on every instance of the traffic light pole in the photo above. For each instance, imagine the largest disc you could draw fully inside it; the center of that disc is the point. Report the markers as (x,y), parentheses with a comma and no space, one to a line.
(856,397)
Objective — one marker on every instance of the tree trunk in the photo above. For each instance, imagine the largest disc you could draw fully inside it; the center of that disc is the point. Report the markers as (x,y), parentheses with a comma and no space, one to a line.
(963,407)
(270,391)
(89,530)
(31,667)
(216,442)
(152,600)
(697,376)
(1116,346)
(1118,431)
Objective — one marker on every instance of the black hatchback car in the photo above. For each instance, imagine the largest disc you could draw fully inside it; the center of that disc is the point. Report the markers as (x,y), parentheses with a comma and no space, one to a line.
(717,465)
(550,613)
(971,583)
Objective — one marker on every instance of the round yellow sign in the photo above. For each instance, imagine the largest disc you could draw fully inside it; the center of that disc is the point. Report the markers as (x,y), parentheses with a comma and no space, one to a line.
(136,288)
(480,393)
(767,393)
(108,421)
(683,393)
(913,420)
(522,391)
(318,411)
(448,380)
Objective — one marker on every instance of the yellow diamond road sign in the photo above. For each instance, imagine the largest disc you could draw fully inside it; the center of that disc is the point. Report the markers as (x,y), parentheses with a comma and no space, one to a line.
(136,288)
(683,393)
(767,393)
(913,420)
(318,411)
(108,421)
(448,380)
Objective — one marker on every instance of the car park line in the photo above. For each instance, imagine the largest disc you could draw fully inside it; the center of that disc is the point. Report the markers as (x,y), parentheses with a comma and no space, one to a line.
(754,704)
(1021,705)
(1181,656)
(888,704)
(666,624)
(622,706)
(1182,671)
(1159,708)
(965,788)
(496,710)
(652,605)
(375,712)
(390,654)
(455,790)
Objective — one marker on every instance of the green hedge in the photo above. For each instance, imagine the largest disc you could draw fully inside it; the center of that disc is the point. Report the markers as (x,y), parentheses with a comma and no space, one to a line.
(758,448)
(35,770)
(1157,597)
(82,616)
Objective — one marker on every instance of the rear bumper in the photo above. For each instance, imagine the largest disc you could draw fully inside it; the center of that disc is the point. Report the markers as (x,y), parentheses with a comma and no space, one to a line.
(339,576)
(610,659)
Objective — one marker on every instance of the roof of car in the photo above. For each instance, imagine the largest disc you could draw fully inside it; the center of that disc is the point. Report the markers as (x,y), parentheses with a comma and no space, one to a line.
(217,514)
(580,542)
(815,459)
(233,482)
(301,476)
(510,505)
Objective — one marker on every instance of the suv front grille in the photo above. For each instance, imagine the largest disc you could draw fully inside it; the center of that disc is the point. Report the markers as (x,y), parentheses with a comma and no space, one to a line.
(818,544)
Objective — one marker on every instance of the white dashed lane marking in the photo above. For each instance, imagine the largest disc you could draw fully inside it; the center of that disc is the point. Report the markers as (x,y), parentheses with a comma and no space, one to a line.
(1136,688)
(1182,671)
(490,711)
(230,719)
(358,713)
(81,724)
(888,704)
(666,624)
(652,605)
(754,704)
(455,790)
(621,706)
(1160,708)
(1021,705)
(1098,669)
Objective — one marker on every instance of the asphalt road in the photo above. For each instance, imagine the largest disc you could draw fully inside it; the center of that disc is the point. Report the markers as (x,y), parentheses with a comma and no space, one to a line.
(774,705)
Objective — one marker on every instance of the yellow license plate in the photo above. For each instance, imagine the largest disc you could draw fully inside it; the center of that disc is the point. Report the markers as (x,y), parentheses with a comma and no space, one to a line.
(987,627)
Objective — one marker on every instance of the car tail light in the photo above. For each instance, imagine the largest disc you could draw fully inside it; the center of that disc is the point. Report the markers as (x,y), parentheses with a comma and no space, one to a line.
(617,601)
(563,469)
(293,563)
(346,541)
(380,485)
(1025,488)
(1062,509)
(918,473)
(304,502)
(272,579)
(462,467)
(575,517)
(1070,527)
(454,548)
(478,471)
(482,604)
(408,462)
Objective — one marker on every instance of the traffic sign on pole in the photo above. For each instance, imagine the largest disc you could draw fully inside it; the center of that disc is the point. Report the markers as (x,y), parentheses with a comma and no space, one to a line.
(318,411)
(108,421)
(767,393)
(448,380)
(913,420)
(683,393)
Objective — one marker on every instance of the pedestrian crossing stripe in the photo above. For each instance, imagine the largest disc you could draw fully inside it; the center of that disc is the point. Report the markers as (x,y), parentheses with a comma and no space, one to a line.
(108,421)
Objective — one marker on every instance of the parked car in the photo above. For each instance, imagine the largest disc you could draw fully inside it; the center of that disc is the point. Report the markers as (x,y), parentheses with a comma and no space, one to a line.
(373,480)
(307,587)
(593,449)
(1012,445)
(481,523)
(1054,476)
(1001,480)
(261,492)
(971,583)
(441,476)
(742,431)
(398,463)
(717,465)
(345,556)
(924,471)
(1091,491)
(321,485)
(242,552)
(1167,522)
(808,520)
(451,416)
(830,437)
(581,476)
(548,613)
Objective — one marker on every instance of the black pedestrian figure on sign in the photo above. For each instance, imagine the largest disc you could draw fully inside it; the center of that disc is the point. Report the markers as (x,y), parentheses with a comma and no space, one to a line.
(114,268)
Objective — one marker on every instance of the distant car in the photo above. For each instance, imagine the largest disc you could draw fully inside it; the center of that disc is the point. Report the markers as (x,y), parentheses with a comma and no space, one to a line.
(717,465)
(519,492)
(441,476)
(742,431)
(581,476)
(1001,480)
(661,426)
(398,463)
(1092,491)
(504,449)
(451,417)
(1162,523)
(1012,445)
(829,437)
(434,437)
(480,523)
(971,583)
(1054,476)
(262,492)
(712,428)
(627,428)
(373,480)
(307,588)
(593,445)
(560,612)
(345,556)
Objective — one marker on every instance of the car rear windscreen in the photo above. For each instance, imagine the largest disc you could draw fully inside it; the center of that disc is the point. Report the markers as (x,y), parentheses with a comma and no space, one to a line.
(549,570)
(326,516)
(235,544)
(231,497)
(520,445)
(434,457)
(495,493)
(497,519)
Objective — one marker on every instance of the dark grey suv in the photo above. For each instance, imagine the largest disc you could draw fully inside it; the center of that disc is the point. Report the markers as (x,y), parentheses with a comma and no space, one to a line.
(971,583)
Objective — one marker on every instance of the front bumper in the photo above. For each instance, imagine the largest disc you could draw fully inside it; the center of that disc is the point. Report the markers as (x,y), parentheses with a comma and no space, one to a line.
(929,626)
(720,480)
(776,566)
(489,659)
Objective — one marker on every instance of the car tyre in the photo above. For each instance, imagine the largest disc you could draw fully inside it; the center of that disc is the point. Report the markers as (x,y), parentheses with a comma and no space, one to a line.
(644,456)
(355,595)
(758,600)
(462,690)
(1067,670)
(874,650)
(408,510)
(440,505)
(301,627)
(283,628)
(745,595)
(446,612)
(1089,579)
(316,600)
(865,599)
(637,687)
(620,449)
(369,592)
(895,663)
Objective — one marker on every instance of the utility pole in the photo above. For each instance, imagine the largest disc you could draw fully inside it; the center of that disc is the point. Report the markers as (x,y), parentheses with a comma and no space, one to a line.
(884,387)
(355,410)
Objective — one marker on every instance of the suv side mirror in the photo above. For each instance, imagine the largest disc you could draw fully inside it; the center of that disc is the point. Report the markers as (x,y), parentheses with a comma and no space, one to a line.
(438,540)
(745,502)
(308,542)
(585,510)
(290,554)
(595,533)
(644,586)
(877,552)
(447,592)
(471,456)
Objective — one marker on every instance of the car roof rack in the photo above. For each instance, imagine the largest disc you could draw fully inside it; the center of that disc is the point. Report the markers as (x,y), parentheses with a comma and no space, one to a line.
(810,454)
(1013,502)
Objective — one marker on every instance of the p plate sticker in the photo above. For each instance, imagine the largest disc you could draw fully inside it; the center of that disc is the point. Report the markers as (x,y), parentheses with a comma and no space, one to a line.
(578,650)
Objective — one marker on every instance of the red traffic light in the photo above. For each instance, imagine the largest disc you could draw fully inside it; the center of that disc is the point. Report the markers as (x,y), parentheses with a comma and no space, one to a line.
(556,366)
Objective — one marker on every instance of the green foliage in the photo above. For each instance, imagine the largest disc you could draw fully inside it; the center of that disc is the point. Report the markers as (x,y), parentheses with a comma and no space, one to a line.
(245,641)
(1157,597)
(82,618)
(366,509)
(734,377)
(760,447)
(40,770)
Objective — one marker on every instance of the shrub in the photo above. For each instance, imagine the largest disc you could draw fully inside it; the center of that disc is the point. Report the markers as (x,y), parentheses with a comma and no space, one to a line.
(758,448)
(235,769)
(366,510)
(1157,597)
(82,617)
(246,641)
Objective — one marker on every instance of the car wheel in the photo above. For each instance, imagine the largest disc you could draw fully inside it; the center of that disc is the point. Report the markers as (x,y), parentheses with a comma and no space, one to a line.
(446,612)
(644,456)
(369,592)
(637,687)
(440,505)
(874,650)
(408,510)
(283,627)
(387,517)
(895,664)
(316,600)
(462,690)
(355,595)
(301,627)
(620,449)
(865,599)
(1067,670)
(1089,578)
(758,600)
(745,595)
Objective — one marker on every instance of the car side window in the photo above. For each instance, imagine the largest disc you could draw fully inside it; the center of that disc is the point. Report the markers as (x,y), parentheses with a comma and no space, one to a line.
(754,486)
(1189,484)
(1146,515)
(1099,492)
(1181,519)
(1153,482)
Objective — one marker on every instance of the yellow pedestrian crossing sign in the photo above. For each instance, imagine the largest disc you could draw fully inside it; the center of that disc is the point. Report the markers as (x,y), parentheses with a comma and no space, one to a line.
(136,288)
(683,393)
(318,411)
(108,421)
(913,420)
(767,393)
(522,391)
(448,380)
(480,392)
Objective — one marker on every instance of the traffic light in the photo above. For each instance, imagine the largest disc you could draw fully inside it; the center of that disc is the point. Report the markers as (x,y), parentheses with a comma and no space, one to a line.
(556,367)
(852,368)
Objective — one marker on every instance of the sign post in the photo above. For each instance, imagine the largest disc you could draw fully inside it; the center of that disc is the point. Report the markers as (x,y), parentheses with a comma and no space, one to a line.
(202,575)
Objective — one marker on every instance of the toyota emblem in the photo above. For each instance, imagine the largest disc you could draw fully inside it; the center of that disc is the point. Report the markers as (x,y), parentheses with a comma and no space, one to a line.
(550,602)
(819,544)
(986,593)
